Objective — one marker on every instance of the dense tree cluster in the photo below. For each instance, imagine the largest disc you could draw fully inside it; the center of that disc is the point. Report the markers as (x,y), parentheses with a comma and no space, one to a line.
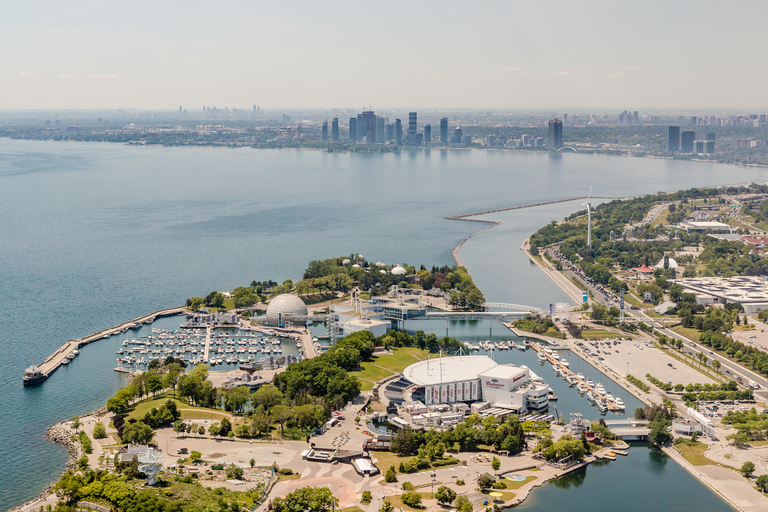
(749,356)
(538,324)
(306,499)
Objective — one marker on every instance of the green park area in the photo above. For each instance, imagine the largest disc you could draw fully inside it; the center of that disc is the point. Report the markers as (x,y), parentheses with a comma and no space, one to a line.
(188,411)
(383,366)
(693,452)
(602,333)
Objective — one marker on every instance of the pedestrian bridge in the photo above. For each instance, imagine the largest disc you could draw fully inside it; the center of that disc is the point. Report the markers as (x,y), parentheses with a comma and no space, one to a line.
(516,307)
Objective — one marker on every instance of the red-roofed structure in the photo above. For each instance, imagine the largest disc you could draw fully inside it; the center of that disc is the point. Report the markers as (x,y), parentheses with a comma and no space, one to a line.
(643,269)
(756,242)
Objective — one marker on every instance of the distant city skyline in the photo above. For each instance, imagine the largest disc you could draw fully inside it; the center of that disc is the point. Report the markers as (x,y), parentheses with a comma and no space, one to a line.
(450,55)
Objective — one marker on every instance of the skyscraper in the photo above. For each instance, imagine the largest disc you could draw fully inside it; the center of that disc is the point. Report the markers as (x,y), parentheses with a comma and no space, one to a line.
(673,139)
(411,127)
(335,129)
(324,135)
(381,133)
(398,132)
(427,134)
(366,126)
(686,141)
(457,133)
(709,143)
(352,129)
(444,130)
(555,134)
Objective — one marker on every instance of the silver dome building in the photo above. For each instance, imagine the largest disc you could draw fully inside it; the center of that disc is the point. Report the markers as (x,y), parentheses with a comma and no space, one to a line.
(286,308)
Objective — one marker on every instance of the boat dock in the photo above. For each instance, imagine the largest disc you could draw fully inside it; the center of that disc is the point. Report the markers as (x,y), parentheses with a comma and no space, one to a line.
(66,351)
(567,372)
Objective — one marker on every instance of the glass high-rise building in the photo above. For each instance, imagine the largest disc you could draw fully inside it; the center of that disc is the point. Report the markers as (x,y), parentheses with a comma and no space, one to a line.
(427,134)
(686,141)
(398,132)
(324,133)
(673,139)
(444,130)
(352,129)
(412,124)
(555,134)
(335,129)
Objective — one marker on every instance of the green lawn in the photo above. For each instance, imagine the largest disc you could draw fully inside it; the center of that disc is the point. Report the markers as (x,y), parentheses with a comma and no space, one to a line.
(140,409)
(690,333)
(375,370)
(517,485)
(693,452)
(505,495)
(602,333)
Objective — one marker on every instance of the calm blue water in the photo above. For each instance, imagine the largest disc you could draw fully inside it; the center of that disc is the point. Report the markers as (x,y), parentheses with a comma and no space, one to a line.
(95,234)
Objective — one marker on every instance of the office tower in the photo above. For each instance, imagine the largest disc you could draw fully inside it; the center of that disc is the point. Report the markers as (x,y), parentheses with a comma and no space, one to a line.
(335,129)
(381,132)
(673,139)
(636,117)
(686,141)
(411,127)
(324,136)
(565,118)
(444,130)
(457,133)
(555,134)
(698,146)
(709,143)
(398,132)
(298,131)
(352,129)
(427,134)
(525,140)
(694,120)
(366,126)
(179,109)
(390,132)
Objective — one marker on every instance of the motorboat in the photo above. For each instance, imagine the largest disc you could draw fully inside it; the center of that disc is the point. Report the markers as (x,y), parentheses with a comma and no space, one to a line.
(602,406)
(580,376)
(541,356)
(565,362)
(581,387)
(33,375)
(591,396)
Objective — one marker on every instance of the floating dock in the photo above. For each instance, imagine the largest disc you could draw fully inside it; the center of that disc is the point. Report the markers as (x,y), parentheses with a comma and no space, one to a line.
(562,369)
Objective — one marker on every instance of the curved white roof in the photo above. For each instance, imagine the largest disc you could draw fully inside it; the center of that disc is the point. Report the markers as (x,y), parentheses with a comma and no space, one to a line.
(672,263)
(398,271)
(346,262)
(286,307)
(448,369)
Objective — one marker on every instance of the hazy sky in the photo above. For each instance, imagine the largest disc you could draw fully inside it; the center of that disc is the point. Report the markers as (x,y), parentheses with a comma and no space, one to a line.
(476,54)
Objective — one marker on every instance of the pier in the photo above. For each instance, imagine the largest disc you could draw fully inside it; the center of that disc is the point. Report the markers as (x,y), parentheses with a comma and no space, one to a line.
(562,369)
(56,359)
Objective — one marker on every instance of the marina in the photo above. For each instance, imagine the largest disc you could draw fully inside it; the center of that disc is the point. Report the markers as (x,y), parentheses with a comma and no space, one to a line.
(596,393)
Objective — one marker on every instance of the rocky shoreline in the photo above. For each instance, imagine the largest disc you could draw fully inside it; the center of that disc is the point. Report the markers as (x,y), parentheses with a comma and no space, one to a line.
(62,435)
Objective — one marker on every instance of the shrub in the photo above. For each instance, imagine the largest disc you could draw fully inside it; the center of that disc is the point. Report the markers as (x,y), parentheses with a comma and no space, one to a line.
(407,486)
(367,497)
(85,441)
(234,472)
(500,485)
(412,499)
(286,471)
(99,432)
(390,476)
(485,481)
(459,482)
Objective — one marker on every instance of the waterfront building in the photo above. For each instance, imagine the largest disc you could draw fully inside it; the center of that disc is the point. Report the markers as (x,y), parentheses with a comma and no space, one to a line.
(449,380)
(324,132)
(686,141)
(381,130)
(457,133)
(352,129)
(555,134)
(709,143)
(366,126)
(673,139)
(335,129)
(398,132)
(427,134)
(444,130)
(698,147)
(412,124)
(390,132)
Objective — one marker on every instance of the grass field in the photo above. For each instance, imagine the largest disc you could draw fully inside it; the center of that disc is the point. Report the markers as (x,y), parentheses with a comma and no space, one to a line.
(384,366)
(140,409)
(505,495)
(693,452)
(691,334)
(602,333)
(517,485)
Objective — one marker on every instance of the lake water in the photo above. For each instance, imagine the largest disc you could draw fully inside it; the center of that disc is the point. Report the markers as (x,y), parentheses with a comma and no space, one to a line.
(95,234)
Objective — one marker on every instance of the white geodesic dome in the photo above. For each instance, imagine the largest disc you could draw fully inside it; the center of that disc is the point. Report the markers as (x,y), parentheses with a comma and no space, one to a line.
(286,308)
(398,271)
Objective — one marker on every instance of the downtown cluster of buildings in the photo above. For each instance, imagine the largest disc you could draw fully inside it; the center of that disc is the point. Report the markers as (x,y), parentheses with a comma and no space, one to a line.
(685,141)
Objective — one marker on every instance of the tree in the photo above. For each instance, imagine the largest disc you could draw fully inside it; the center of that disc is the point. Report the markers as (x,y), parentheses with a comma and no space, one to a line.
(235,399)
(390,476)
(405,442)
(99,432)
(386,507)
(201,430)
(659,434)
(747,469)
(214,429)
(462,504)
(252,462)
(195,456)
(762,483)
(740,440)
(179,427)
(280,413)
(266,396)
(367,497)
(412,499)
(139,433)
(75,423)
(485,481)
(306,499)
(445,495)
(234,472)
(495,463)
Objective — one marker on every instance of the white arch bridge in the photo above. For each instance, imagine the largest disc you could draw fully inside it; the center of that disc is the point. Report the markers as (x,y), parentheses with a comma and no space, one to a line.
(515,307)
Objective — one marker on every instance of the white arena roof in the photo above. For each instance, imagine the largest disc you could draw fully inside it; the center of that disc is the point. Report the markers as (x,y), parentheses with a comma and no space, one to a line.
(504,372)
(448,369)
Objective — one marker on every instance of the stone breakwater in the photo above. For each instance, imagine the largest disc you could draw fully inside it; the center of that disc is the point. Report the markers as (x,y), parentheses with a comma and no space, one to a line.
(58,433)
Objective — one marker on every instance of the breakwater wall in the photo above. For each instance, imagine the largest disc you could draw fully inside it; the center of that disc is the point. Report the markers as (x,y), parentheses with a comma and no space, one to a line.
(494,223)
(57,358)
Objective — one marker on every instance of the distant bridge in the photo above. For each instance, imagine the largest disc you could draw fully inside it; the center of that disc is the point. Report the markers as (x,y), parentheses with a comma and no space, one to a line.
(516,307)
(570,149)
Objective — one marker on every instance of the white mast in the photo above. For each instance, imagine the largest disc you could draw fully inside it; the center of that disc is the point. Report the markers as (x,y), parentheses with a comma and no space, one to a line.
(588,204)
